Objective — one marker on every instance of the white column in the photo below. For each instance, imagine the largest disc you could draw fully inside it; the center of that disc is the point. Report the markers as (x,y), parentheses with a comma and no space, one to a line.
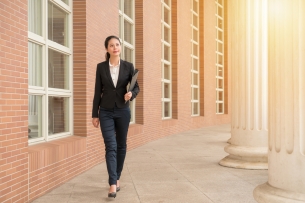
(286,181)
(249,52)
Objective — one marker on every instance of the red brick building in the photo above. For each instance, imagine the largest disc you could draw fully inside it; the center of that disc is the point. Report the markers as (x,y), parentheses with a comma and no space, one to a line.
(49,52)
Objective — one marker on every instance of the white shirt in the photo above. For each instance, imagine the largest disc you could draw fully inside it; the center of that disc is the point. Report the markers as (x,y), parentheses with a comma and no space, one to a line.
(114,72)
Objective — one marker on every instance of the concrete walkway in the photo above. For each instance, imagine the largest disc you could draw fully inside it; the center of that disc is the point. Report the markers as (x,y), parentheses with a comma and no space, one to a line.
(178,168)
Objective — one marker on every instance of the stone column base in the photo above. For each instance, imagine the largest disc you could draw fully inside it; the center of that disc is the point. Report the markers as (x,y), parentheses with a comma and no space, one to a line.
(265,193)
(246,157)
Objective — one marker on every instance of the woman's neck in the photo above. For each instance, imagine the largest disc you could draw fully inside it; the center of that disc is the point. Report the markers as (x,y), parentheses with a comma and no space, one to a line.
(114,60)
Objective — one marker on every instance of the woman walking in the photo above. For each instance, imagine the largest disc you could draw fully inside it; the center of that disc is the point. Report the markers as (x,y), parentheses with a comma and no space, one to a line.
(111,108)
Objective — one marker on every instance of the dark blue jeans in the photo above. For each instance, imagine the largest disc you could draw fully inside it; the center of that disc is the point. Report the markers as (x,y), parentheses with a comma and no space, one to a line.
(114,126)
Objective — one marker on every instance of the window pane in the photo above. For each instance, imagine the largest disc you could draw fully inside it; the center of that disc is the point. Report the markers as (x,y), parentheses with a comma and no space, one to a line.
(219,35)
(166,53)
(166,16)
(195,64)
(128,8)
(219,59)
(35,16)
(167,72)
(220,72)
(166,2)
(166,90)
(57,25)
(58,115)
(166,109)
(219,23)
(195,79)
(195,49)
(195,35)
(128,55)
(58,70)
(128,32)
(219,47)
(66,2)
(195,108)
(195,20)
(195,6)
(220,95)
(219,11)
(219,83)
(195,94)
(35,64)
(121,31)
(219,107)
(166,34)
(35,117)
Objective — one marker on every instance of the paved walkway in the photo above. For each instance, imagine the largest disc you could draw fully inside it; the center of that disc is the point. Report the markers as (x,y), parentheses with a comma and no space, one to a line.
(178,168)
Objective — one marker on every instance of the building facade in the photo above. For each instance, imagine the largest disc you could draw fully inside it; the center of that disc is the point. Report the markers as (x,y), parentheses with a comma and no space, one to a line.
(49,53)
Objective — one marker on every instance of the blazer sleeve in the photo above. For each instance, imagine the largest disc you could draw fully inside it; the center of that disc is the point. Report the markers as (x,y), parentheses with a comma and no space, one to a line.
(136,88)
(98,91)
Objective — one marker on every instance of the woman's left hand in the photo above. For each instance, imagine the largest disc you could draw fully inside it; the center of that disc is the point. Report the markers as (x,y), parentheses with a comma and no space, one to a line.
(127,96)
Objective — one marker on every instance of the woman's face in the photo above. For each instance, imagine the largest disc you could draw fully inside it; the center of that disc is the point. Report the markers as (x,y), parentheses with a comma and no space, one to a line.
(114,47)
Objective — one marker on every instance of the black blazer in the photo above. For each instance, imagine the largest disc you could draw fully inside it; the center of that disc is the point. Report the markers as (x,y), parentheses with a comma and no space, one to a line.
(106,94)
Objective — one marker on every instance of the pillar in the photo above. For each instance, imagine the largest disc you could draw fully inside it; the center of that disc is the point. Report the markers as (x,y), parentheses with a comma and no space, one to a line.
(249,124)
(286,148)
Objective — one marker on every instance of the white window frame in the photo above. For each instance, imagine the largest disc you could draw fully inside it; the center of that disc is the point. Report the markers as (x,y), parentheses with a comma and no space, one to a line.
(220,66)
(44,91)
(196,73)
(122,18)
(166,62)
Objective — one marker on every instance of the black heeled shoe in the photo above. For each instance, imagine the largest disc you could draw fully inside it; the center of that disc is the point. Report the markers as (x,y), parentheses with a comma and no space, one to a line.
(112,194)
(118,189)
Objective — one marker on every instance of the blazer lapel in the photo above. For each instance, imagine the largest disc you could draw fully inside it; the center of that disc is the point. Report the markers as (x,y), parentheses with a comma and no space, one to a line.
(121,73)
(107,69)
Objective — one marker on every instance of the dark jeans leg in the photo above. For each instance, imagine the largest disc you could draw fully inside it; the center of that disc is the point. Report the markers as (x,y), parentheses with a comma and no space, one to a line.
(114,126)
(108,132)
(122,119)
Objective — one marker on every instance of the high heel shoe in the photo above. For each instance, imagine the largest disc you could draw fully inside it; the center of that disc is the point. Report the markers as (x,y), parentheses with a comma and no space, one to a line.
(118,189)
(112,194)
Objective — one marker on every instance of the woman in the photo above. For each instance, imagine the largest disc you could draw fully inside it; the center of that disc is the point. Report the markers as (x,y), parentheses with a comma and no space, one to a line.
(111,108)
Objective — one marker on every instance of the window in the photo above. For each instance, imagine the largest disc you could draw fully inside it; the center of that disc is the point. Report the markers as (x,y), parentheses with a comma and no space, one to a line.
(166,60)
(195,58)
(127,33)
(49,69)
(220,57)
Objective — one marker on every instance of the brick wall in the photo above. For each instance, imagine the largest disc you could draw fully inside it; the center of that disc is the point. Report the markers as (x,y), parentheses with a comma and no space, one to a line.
(79,67)
(13,101)
(184,64)
(175,54)
(151,86)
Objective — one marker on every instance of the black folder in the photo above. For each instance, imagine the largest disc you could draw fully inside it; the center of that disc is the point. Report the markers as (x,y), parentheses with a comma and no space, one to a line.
(133,80)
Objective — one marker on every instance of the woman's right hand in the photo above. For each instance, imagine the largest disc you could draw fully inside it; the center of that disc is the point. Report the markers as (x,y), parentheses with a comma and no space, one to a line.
(95,122)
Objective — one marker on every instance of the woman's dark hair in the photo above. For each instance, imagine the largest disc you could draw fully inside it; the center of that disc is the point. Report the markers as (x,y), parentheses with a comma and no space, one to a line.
(107,55)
